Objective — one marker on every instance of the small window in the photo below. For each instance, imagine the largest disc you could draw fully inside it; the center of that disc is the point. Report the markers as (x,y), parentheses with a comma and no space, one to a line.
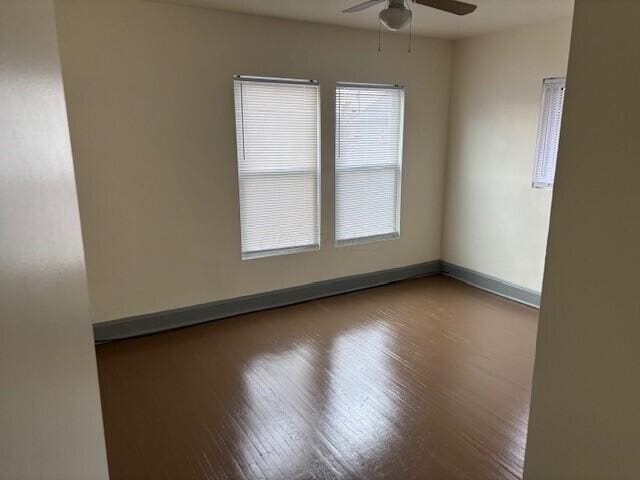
(278,143)
(369,126)
(549,132)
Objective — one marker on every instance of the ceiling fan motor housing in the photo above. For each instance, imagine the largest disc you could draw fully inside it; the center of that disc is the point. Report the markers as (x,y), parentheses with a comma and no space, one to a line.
(396,15)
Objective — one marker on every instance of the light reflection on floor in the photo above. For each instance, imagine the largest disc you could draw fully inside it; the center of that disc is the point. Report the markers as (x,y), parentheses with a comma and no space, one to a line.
(355,394)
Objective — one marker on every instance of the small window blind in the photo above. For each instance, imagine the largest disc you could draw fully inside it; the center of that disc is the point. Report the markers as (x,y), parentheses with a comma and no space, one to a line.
(369,126)
(277,135)
(549,132)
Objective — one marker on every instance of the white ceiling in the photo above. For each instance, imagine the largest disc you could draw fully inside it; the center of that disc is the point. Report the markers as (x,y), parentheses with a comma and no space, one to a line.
(491,15)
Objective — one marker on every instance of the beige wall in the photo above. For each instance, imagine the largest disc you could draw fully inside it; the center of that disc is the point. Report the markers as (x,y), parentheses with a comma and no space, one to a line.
(494,221)
(50,419)
(150,99)
(585,418)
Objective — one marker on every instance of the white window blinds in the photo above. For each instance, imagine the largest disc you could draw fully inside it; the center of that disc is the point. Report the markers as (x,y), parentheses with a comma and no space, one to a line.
(277,134)
(369,126)
(549,132)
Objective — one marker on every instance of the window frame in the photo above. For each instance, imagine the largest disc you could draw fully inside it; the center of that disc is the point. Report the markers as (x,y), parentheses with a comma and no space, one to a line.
(398,168)
(537,185)
(255,254)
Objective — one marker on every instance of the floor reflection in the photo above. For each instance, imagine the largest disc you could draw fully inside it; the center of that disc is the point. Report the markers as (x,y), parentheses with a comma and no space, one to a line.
(340,410)
(275,437)
(361,409)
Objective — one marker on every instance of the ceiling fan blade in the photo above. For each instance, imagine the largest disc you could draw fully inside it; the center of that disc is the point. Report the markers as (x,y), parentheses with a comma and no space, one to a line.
(451,6)
(362,6)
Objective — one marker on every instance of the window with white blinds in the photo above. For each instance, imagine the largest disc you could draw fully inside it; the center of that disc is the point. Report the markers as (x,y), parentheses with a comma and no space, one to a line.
(277,135)
(369,126)
(549,132)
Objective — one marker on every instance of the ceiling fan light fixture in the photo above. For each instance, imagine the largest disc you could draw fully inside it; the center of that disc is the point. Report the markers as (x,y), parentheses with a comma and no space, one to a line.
(394,18)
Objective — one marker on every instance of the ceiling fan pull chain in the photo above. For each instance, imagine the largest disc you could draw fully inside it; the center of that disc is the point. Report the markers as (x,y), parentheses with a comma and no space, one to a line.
(410,32)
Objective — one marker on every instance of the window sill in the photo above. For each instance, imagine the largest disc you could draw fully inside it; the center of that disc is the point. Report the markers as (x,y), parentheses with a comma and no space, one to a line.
(364,240)
(279,251)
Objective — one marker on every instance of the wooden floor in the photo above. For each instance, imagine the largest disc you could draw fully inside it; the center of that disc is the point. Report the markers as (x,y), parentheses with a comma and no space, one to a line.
(422,379)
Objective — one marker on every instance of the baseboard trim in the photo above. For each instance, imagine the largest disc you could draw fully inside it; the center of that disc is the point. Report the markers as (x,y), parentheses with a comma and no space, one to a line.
(183,317)
(492,284)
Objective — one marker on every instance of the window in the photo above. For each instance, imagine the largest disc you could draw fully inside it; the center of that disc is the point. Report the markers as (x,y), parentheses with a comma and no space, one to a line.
(277,135)
(369,125)
(549,132)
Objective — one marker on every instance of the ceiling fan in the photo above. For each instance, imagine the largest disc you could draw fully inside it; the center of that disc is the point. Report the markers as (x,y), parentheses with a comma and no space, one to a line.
(397,14)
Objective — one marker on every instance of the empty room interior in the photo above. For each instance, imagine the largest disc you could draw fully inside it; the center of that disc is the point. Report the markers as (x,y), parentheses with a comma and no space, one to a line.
(319,239)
